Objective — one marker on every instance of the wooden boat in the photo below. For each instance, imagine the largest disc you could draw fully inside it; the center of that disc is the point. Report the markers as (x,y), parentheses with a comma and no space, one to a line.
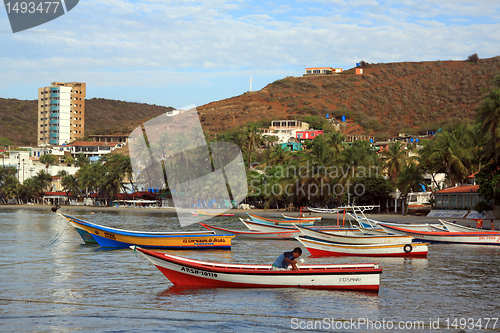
(415,227)
(284,234)
(480,238)
(441,228)
(373,231)
(202,213)
(280,222)
(119,238)
(86,236)
(264,227)
(194,273)
(453,227)
(303,217)
(364,239)
(321,248)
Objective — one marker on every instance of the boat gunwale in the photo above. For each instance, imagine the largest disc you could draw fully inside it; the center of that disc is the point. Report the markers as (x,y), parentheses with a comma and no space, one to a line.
(284,222)
(153,234)
(332,269)
(443,233)
(359,246)
(254,232)
(352,237)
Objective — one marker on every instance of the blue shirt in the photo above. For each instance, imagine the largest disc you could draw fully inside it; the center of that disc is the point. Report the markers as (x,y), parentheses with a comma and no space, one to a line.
(280,261)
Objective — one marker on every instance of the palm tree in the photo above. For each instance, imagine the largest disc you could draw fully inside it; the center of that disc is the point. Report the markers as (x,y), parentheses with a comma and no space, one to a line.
(11,187)
(249,139)
(277,155)
(410,178)
(452,155)
(394,160)
(81,160)
(69,184)
(44,181)
(488,115)
(48,159)
(355,161)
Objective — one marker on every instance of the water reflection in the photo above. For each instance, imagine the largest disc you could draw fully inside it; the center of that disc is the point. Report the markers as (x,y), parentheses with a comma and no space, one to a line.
(71,286)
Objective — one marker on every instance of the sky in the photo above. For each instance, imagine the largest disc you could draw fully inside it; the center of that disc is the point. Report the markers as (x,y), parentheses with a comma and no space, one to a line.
(178,53)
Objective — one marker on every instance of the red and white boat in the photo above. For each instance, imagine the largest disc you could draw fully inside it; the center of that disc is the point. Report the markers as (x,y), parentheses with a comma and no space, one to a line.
(194,273)
(480,238)
(362,239)
(322,248)
(453,227)
(283,234)
(264,227)
(414,227)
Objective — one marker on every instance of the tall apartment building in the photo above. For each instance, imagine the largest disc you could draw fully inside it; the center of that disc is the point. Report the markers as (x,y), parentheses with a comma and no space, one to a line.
(61,113)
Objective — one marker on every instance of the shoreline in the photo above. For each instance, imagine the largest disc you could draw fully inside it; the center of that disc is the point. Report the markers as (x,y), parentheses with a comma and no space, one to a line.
(387,217)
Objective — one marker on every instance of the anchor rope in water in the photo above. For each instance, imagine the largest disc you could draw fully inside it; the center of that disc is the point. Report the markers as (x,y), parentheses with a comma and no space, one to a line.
(58,235)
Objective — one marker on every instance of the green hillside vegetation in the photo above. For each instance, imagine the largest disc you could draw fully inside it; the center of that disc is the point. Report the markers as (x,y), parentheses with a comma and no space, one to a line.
(18,118)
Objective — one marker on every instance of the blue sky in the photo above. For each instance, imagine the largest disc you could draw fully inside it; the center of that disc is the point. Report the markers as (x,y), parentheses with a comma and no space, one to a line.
(177,53)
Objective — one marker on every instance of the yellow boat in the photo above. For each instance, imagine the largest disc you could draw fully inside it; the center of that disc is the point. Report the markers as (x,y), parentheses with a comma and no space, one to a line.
(119,238)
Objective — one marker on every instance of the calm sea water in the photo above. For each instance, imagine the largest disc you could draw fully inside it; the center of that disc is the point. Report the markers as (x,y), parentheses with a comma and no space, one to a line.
(51,282)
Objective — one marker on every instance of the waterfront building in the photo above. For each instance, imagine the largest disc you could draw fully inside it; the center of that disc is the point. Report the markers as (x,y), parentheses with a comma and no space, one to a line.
(61,113)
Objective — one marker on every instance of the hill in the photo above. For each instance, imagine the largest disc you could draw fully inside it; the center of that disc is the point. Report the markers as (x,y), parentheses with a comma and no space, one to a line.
(18,118)
(410,97)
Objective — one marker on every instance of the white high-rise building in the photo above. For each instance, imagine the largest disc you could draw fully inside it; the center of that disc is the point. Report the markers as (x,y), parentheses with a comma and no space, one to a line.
(61,113)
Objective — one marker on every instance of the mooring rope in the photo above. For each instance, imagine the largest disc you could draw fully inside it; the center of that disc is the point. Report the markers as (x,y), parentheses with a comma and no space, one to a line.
(58,235)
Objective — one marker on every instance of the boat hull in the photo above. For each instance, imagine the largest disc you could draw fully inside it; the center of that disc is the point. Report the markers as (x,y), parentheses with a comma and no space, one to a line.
(362,239)
(202,213)
(321,248)
(477,238)
(296,218)
(86,236)
(118,238)
(259,219)
(264,227)
(285,234)
(453,227)
(192,273)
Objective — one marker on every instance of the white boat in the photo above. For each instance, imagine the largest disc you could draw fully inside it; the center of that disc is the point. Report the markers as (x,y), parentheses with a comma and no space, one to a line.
(264,227)
(373,231)
(439,228)
(324,210)
(414,227)
(453,227)
(282,234)
(321,248)
(280,222)
(363,239)
(479,238)
(359,209)
(303,217)
(194,273)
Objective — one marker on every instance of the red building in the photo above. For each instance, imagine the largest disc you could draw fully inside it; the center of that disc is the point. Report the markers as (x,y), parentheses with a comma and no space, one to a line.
(307,135)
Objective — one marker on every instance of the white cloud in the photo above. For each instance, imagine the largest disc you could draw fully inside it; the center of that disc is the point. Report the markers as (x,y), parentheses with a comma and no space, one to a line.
(160,42)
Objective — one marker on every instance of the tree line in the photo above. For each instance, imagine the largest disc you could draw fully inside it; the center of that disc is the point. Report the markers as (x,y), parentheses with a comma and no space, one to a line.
(329,171)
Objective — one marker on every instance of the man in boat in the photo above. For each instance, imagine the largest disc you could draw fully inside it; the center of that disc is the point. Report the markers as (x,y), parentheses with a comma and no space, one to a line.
(286,259)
